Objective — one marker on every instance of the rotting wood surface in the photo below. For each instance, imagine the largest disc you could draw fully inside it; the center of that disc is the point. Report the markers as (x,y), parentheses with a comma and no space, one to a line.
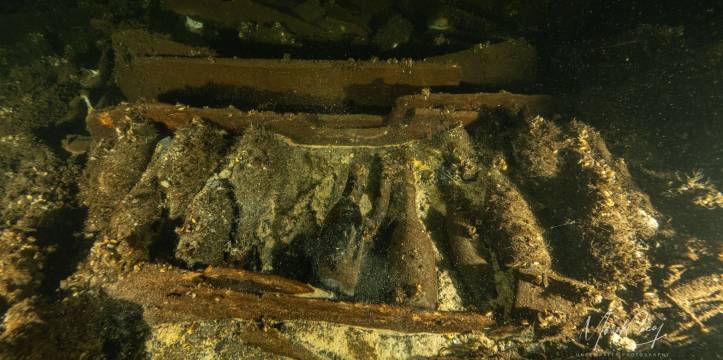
(172,295)
(233,14)
(413,118)
(152,67)
(292,82)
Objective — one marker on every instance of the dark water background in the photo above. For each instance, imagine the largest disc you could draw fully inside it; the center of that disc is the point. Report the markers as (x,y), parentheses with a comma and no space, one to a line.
(651,68)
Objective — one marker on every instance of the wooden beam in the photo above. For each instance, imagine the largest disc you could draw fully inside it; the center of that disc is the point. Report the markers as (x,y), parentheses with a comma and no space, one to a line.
(173,295)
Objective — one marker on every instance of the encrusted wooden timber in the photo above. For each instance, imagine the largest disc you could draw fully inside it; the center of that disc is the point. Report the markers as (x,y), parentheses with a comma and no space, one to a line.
(153,67)
(282,82)
(172,295)
(234,14)
(413,117)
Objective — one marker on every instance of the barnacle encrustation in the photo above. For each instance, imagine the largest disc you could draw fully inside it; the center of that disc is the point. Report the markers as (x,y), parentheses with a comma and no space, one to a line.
(486,189)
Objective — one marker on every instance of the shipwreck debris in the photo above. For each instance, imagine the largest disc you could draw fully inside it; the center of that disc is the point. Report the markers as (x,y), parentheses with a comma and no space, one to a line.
(413,118)
(152,67)
(240,13)
(468,250)
(510,62)
(412,257)
(327,83)
(172,295)
(345,236)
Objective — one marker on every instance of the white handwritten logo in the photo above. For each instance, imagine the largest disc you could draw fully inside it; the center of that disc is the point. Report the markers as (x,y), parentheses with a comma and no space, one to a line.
(606,326)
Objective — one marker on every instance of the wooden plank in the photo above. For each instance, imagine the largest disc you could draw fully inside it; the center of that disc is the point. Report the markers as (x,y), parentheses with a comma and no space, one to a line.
(172,295)
(303,83)
(413,118)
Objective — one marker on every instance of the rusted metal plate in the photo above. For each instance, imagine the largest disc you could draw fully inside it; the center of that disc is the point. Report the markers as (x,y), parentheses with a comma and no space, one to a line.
(413,118)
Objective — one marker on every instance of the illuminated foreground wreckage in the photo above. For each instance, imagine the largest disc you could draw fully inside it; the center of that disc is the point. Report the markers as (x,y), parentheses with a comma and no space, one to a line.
(452,225)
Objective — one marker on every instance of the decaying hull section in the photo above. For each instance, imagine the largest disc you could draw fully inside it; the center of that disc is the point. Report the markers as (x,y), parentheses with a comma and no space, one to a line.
(346,203)
(374,201)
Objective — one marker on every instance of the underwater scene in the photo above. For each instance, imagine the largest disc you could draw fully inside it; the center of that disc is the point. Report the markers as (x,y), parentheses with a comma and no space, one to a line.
(341,179)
